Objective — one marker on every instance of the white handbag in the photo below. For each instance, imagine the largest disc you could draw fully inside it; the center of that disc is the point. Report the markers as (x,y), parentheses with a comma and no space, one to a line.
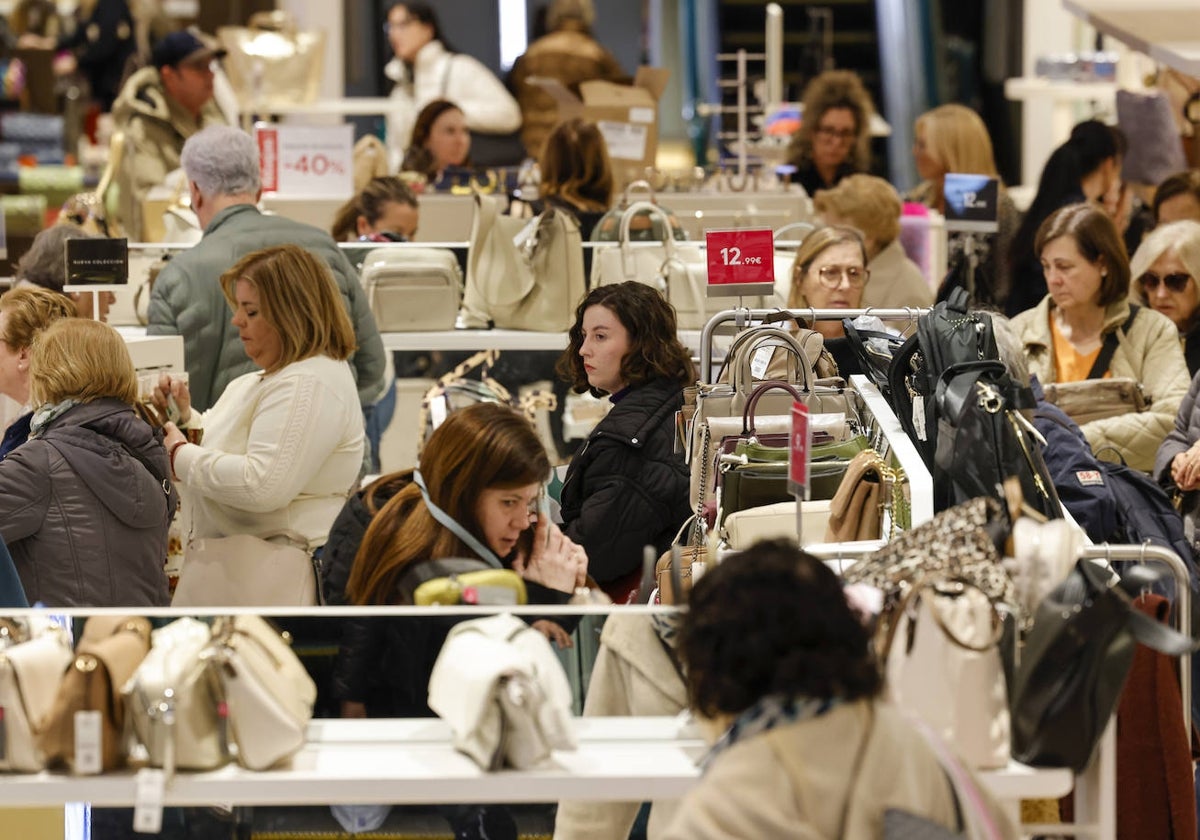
(247,571)
(30,673)
(171,701)
(679,272)
(743,528)
(522,274)
(267,693)
(412,289)
(943,665)
(502,690)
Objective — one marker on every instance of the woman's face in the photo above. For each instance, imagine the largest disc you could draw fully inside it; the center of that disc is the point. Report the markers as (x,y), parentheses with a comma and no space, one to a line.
(835,279)
(503,513)
(407,34)
(605,345)
(260,339)
(1073,281)
(928,168)
(1170,289)
(834,137)
(14,367)
(395,217)
(449,140)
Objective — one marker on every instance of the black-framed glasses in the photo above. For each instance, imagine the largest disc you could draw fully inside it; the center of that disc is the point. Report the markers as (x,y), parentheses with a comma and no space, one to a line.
(836,133)
(831,276)
(1175,282)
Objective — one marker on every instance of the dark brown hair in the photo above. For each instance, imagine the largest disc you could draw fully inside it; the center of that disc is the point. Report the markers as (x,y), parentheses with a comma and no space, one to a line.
(772,620)
(1098,241)
(479,447)
(370,204)
(1181,183)
(575,166)
(418,158)
(654,348)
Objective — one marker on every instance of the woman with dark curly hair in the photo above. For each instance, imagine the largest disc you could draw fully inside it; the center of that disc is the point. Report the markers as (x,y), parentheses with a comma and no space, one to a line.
(780,672)
(627,487)
(833,140)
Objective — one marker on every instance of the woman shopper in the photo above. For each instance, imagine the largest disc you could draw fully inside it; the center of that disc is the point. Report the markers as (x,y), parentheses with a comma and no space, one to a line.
(282,446)
(1087,274)
(830,272)
(23,314)
(627,487)
(1165,268)
(85,503)
(780,670)
(385,210)
(425,69)
(440,140)
(833,140)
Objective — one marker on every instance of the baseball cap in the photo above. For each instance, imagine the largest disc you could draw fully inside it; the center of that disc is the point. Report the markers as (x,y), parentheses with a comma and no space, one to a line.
(182,47)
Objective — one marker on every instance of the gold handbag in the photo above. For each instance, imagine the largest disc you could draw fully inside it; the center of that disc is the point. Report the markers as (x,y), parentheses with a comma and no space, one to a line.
(270,63)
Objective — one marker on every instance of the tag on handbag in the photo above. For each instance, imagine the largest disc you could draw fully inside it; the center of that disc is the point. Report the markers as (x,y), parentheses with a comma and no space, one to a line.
(526,232)
(149,788)
(761,361)
(88,727)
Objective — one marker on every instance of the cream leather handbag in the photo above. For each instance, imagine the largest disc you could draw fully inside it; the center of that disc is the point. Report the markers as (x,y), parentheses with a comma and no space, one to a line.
(500,687)
(268,694)
(171,701)
(30,673)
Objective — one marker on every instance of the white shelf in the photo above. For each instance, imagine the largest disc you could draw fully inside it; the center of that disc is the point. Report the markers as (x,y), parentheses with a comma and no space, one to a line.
(1166,30)
(1032,88)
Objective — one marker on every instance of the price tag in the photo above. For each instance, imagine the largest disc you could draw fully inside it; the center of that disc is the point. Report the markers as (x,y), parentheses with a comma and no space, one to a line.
(799,443)
(149,789)
(306,160)
(740,262)
(88,728)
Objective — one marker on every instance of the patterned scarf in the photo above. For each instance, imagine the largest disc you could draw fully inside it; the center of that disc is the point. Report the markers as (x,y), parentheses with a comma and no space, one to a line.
(46,413)
(769,712)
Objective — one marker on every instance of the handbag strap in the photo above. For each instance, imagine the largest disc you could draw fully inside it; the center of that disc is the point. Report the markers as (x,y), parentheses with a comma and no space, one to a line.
(486,554)
(1100,366)
(748,413)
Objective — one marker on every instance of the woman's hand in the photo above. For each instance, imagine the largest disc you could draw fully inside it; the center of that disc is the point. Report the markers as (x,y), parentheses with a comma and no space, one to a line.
(172,436)
(173,388)
(555,561)
(553,631)
(1185,468)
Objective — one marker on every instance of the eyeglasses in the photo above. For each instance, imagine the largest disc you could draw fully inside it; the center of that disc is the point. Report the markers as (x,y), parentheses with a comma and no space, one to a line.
(399,24)
(836,133)
(831,276)
(1176,282)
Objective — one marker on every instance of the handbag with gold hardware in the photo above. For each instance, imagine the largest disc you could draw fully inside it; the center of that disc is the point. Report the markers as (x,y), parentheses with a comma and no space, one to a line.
(868,488)
(270,62)
(676,564)
(31,670)
(108,653)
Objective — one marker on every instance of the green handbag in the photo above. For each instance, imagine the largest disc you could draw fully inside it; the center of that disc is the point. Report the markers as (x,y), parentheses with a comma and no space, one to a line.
(765,483)
(843,450)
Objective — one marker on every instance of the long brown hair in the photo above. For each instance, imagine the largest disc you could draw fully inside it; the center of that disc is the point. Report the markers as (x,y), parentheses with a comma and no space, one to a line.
(483,446)
(575,166)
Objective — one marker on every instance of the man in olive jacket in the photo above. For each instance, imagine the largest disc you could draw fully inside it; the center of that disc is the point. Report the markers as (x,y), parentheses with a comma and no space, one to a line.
(221,165)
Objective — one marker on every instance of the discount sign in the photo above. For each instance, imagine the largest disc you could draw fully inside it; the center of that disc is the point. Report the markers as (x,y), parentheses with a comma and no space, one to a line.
(306,160)
(740,262)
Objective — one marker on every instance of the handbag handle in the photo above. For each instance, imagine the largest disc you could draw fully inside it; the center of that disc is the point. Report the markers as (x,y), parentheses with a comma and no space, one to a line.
(805,226)
(640,185)
(652,210)
(743,354)
(752,404)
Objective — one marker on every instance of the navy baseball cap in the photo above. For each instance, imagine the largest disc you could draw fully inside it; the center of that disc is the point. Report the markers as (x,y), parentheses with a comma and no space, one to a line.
(182,47)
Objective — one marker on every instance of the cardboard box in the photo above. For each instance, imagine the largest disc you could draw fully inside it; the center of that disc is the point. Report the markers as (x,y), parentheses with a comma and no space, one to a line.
(627,116)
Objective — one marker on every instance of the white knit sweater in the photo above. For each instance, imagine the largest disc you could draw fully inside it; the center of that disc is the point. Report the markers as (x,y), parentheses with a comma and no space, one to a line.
(280,453)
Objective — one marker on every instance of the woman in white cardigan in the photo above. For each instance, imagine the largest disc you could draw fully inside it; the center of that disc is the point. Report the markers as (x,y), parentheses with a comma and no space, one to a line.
(283,447)
(425,70)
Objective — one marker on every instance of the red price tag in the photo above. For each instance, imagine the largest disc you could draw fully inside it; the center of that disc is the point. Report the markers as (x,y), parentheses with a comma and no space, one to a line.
(268,158)
(740,262)
(798,445)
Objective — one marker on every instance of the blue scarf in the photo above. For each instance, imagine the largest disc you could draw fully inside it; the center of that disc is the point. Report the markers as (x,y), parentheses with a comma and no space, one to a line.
(43,415)
(769,712)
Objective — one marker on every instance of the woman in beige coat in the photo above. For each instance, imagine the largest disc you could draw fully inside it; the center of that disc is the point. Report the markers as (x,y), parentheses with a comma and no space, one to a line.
(779,668)
(1087,274)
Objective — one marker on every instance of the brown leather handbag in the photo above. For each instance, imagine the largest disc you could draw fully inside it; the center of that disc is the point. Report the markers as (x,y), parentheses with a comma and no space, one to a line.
(108,653)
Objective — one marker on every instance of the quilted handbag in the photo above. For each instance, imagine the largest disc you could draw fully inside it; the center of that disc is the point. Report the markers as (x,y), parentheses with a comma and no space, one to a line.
(267,693)
(500,687)
(522,274)
(270,62)
(410,289)
(31,670)
(171,703)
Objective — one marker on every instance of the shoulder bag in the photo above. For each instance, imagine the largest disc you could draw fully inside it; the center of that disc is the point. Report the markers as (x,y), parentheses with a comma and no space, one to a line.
(92,683)
(522,274)
(412,289)
(500,687)
(267,693)
(1097,398)
(31,670)
(248,571)
(673,571)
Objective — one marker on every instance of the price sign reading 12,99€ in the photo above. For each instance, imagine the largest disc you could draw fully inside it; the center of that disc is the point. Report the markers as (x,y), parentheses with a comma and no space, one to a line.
(740,262)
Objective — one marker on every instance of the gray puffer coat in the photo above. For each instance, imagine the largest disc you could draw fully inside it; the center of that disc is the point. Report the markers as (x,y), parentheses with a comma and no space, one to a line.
(84,508)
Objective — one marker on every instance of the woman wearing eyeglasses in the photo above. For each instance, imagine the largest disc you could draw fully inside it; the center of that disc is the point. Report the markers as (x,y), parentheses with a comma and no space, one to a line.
(1166,266)
(1065,336)
(830,272)
(832,141)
